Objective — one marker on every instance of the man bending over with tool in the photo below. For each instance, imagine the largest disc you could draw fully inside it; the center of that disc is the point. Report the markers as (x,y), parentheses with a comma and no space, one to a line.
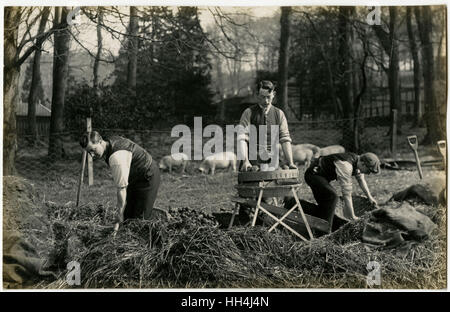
(135,174)
(340,167)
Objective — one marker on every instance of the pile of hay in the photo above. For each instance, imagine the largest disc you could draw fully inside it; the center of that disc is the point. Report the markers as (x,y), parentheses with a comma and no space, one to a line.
(190,250)
(24,213)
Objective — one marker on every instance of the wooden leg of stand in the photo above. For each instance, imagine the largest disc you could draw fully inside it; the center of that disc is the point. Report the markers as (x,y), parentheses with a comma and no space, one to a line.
(282,223)
(235,211)
(257,207)
(303,214)
(282,218)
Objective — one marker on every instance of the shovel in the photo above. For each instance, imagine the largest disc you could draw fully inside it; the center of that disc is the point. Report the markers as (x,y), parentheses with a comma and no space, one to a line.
(80,181)
(442,147)
(412,141)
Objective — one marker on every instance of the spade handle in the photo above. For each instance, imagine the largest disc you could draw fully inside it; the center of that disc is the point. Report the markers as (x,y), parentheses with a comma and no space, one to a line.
(412,141)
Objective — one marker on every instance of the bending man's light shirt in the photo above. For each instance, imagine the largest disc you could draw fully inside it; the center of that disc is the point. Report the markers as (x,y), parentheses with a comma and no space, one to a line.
(120,163)
(344,172)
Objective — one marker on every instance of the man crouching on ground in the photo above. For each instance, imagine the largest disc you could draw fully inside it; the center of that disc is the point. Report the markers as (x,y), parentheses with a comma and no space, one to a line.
(340,167)
(134,172)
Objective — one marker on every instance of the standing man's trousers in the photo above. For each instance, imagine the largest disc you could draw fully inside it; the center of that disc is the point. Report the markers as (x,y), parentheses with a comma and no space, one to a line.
(142,195)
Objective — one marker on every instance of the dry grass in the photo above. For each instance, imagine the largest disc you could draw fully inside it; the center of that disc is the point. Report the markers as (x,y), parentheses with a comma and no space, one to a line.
(197,253)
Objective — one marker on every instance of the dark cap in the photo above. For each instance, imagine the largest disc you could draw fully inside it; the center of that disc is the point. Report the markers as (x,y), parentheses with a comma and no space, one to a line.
(371,161)
(266,84)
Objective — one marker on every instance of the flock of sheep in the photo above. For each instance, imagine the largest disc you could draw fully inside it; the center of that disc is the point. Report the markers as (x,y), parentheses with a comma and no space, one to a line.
(302,154)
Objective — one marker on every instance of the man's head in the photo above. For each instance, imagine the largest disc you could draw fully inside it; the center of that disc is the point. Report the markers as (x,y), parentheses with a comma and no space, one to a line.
(93,143)
(369,163)
(266,93)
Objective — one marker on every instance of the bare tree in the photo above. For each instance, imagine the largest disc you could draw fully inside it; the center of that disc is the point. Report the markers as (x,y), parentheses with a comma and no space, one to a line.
(283,58)
(132,49)
(344,71)
(416,64)
(389,42)
(36,79)
(99,46)
(10,90)
(60,74)
(13,59)
(434,112)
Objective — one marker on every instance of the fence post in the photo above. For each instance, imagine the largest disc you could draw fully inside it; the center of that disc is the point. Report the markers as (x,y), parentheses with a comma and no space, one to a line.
(394,134)
(222,109)
(89,157)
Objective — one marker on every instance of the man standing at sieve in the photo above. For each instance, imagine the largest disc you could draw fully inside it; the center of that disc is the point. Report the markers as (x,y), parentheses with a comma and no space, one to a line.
(135,174)
(264,113)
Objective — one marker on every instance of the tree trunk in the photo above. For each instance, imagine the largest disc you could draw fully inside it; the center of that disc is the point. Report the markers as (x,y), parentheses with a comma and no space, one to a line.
(230,76)
(359,89)
(220,88)
(99,46)
(132,49)
(257,59)
(10,88)
(60,74)
(416,65)
(357,103)
(441,69)
(36,82)
(394,85)
(435,119)
(344,71)
(283,59)
(390,45)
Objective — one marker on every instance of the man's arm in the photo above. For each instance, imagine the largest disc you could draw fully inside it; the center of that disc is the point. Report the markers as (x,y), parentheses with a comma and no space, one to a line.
(121,202)
(285,141)
(348,204)
(344,177)
(363,185)
(120,163)
(287,150)
(243,154)
(242,139)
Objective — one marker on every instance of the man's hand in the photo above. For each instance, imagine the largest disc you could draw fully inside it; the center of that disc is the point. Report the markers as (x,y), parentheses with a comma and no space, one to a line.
(116,229)
(373,202)
(246,166)
(118,220)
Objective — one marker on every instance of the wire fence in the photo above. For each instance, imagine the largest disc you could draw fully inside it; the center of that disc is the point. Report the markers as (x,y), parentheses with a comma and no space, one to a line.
(41,161)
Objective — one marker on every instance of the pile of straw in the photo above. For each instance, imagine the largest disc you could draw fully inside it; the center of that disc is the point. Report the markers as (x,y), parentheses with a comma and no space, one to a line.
(189,250)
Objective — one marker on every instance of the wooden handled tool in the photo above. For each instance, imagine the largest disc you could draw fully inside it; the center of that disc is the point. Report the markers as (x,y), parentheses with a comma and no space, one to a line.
(413,143)
(80,182)
(442,147)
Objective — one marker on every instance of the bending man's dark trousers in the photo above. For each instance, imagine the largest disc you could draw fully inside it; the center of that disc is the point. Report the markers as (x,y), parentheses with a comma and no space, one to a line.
(325,195)
(141,196)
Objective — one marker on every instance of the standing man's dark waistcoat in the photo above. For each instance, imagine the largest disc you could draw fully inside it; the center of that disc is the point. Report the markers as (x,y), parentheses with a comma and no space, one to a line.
(140,162)
(327,169)
(259,118)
